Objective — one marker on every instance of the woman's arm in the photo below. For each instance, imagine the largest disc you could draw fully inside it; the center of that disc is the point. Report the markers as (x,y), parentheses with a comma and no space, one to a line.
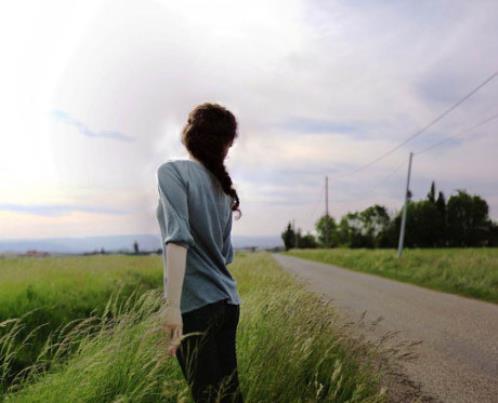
(172,213)
(176,256)
(176,259)
(176,239)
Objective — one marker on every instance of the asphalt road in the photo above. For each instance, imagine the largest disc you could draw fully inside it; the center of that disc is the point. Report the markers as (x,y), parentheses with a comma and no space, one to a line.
(457,358)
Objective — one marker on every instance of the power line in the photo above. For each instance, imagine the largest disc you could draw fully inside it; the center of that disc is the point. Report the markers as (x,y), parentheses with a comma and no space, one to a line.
(383,179)
(426,127)
(402,162)
(414,135)
(477,125)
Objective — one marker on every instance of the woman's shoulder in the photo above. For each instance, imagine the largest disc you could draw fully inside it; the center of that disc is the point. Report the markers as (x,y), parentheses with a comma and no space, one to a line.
(177,169)
(171,164)
(170,169)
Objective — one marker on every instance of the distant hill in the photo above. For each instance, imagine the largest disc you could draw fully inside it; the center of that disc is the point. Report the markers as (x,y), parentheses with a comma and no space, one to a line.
(116,243)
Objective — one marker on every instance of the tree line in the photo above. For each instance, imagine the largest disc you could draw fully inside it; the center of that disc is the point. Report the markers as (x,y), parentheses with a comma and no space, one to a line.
(462,220)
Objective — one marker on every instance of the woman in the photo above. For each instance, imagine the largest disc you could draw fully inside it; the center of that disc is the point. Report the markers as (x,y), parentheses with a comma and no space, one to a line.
(196,200)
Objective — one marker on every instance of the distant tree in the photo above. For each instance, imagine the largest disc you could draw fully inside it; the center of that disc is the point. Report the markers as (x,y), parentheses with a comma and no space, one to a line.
(289,237)
(462,220)
(493,234)
(346,229)
(467,220)
(102,251)
(326,229)
(350,231)
(303,241)
(390,236)
(425,224)
(299,236)
(306,241)
(375,221)
(422,219)
(365,229)
(441,230)
(431,196)
(136,248)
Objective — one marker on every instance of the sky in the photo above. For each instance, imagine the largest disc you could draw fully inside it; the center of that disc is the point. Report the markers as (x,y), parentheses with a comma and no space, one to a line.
(95,93)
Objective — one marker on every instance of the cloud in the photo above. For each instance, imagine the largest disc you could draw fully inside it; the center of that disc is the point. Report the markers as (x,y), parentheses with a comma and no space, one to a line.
(85,130)
(304,125)
(54,210)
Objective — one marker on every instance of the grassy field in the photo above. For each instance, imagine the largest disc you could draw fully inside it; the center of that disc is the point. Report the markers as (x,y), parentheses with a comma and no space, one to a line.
(289,346)
(472,272)
(46,294)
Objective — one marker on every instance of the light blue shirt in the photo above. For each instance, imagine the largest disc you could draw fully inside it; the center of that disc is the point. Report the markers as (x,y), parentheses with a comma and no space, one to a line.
(193,211)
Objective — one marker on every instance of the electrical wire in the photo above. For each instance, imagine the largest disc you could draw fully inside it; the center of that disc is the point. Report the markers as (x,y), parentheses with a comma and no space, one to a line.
(373,187)
(414,135)
(426,127)
(459,134)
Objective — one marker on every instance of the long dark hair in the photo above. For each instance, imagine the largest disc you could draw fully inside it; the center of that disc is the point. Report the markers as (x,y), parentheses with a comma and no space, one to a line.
(209,131)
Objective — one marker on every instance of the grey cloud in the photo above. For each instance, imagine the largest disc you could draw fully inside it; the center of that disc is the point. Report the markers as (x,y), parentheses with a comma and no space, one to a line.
(375,71)
(85,130)
(303,125)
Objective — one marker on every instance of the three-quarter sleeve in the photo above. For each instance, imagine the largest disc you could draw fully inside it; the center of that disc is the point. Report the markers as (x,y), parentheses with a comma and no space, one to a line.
(227,241)
(174,207)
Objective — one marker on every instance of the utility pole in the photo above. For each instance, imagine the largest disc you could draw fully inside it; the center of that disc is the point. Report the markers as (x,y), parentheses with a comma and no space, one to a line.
(407,199)
(326,210)
(326,195)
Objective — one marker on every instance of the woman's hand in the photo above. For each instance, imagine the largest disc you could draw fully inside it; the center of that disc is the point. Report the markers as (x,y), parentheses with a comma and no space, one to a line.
(173,326)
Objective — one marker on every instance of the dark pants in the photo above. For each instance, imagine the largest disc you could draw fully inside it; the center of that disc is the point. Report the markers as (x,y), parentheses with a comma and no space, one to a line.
(209,361)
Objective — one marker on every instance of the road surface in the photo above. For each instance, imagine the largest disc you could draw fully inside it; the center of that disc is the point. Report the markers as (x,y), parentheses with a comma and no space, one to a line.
(457,357)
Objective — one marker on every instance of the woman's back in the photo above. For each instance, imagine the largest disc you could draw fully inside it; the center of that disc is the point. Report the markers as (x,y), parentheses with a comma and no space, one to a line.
(194,211)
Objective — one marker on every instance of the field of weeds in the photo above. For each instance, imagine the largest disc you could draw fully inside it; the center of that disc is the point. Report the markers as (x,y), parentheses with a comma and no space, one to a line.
(289,346)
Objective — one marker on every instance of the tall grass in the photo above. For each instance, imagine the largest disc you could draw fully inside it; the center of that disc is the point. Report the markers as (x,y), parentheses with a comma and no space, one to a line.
(42,299)
(289,348)
(70,285)
(472,272)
